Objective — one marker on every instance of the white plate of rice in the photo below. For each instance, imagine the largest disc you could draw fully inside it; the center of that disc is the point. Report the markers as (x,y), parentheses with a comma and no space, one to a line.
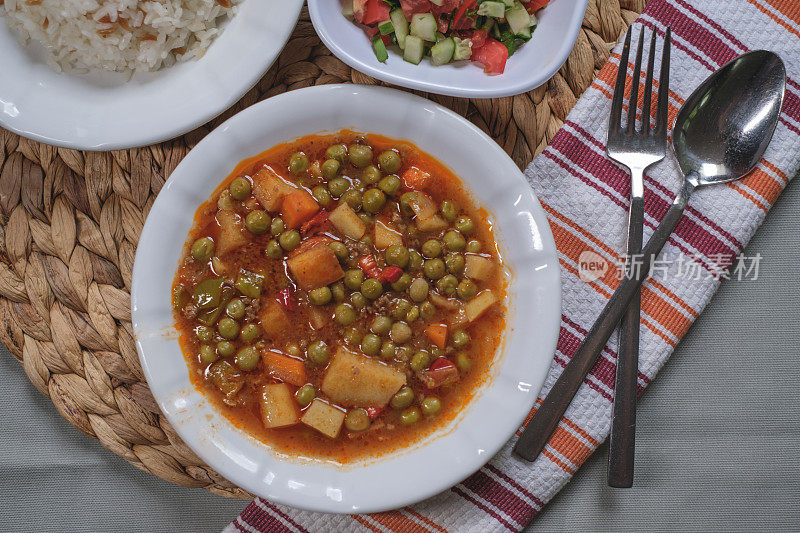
(115,74)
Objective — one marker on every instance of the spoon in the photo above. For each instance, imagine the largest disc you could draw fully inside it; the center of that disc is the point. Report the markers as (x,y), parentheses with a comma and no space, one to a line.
(720,134)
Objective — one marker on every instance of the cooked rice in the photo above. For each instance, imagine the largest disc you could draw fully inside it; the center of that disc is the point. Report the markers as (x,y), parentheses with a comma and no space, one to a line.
(121,35)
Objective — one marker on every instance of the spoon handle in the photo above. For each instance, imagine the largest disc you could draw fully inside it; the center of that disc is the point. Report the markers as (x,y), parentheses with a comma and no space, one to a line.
(537,433)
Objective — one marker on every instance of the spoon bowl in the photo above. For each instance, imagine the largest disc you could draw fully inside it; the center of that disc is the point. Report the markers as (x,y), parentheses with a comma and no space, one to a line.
(724,127)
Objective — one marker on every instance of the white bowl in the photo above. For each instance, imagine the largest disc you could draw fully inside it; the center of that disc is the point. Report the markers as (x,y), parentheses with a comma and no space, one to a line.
(530,66)
(498,409)
(104,111)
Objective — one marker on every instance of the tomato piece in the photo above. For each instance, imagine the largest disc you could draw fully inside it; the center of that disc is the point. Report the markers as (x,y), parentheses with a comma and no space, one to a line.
(391,274)
(317,222)
(359,10)
(478,38)
(412,7)
(374,412)
(446,7)
(535,5)
(375,11)
(442,25)
(492,55)
(441,372)
(460,20)
(370,267)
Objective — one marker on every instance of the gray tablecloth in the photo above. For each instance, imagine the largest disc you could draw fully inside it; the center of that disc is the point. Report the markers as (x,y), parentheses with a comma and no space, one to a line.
(717,441)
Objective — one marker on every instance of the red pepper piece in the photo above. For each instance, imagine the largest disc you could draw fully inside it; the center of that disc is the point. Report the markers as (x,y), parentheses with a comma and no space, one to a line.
(391,274)
(374,412)
(286,299)
(316,222)
(370,267)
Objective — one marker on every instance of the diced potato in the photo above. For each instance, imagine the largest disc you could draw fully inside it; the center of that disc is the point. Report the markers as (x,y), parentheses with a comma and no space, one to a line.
(353,379)
(346,220)
(278,408)
(386,236)
(434,223)
(422,204)
(478,267)
(286,369)
(479,305)
(269,188)
(274,320)
(319,317)
(315,267)
(324,417)
(231,232)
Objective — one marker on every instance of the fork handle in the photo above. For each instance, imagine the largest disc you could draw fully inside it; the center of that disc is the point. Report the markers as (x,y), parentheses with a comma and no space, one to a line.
(623,421)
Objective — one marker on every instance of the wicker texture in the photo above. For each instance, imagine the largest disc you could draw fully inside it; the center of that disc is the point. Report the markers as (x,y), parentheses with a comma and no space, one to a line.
(71,221)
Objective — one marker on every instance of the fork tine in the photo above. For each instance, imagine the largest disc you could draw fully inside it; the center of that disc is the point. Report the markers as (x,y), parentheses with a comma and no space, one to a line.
(663,87)
(633,103)
(648,86)
(615,120)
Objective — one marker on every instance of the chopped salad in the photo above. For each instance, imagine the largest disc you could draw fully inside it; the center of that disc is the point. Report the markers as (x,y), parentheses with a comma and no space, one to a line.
(486,32)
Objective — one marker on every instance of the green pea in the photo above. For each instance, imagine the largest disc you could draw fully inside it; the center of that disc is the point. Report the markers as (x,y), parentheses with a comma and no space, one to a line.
(371,174)
(388,350)
(367,220)
(293,349)
(389,161)
(474,246)
(239,189)
(249,283)
(289,240)
(305,395)
(353,279)
(414,259)
(399,308)
(433,268)
(454,241)
(371,288)
(225,348)
(465,224)
(257,221)
(250,332)
(360,155)
(447,285)
(358,300)
(318,352)
(449,210)
(373,200)
(370,344)
(413,314)
(203,249)
(418,290)
(204,333)
(467,289)
(405,203)
(356,419)
(402,283)
(228,328)
(353,198)
(340,250)
(320,296)
(344,314)
(247,358)
(321,195)
(366,239)
(420,361)
(235,309)
(460,338)
(403,353)
(207,354)
(454,263)
(381,325)
(462,362)
(338,292)
(402,398)
(352,337)
(330,168)
(298,163)
(397,255)
(431,405)
(277,226)
(426,310)
(400,332)
(431,248)
(409,416)
(390,185)
(338,186)
(337,152)
(273,250)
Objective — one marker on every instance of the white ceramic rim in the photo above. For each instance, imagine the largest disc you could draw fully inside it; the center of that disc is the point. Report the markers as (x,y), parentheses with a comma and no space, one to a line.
(531,66)
(498,410)
(101,111)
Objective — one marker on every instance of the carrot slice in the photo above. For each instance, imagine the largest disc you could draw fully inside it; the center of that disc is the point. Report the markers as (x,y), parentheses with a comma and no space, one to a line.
(437,334)
(286,369)
(416,179)
(298,207)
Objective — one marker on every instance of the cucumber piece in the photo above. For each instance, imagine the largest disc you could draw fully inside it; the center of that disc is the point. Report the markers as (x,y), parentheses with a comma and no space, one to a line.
(414,49)
(518,18)
(509,3)
(442,52)
(463,49)
(380,49)
(400,26)
(347,9)
(492,9)
(423,25)
(386,27)
(437,2)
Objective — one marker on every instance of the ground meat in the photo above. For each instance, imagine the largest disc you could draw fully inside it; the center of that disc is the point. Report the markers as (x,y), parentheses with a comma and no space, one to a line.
(251,310)
(381,305)
(189,311)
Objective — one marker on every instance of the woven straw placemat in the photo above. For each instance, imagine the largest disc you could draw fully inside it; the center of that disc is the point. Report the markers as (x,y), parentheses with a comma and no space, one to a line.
(71,221)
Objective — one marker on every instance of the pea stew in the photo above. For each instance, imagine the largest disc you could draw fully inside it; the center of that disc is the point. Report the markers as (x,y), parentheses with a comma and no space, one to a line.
(340,296)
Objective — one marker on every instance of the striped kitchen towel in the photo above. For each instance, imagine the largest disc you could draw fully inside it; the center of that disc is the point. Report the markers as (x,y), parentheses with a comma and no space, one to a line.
(585,196)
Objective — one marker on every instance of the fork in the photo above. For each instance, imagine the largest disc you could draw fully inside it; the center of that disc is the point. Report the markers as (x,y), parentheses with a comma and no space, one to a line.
(636,150)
